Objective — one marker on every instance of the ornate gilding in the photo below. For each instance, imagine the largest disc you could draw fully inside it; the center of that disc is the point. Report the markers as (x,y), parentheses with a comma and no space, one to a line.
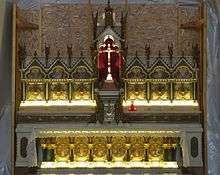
(118,148)
(81,149)
(183,91)
(58,91)
(35,73)
(155,149)
(100,149)
(62,150)
(136,72)
(159,91)
(136,91)
(82,91)
(183,72)
(35,91)
(58,72)
(81,72)
(51,80)
(111,148)
(161,80)
(159,73)
(137,148)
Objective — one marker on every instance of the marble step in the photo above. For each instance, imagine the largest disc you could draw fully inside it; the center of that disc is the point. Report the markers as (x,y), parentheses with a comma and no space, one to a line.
(115,171)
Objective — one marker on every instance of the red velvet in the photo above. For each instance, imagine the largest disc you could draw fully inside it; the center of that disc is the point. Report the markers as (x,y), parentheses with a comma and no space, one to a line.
(102,64)
(116,61)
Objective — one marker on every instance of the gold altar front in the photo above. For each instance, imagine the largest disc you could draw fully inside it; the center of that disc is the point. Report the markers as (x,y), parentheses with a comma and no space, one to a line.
(109,151)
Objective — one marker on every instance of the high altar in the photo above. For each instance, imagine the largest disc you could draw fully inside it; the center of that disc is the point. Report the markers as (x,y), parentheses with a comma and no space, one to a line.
(112,86)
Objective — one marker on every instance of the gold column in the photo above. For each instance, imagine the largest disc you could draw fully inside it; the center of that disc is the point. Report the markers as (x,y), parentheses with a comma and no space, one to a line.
(70,91)
(47,91)
(194,91)
(125,91)
(109,145)
(148,91)
(90,139)
(171,92)
(93,90)
(23,91)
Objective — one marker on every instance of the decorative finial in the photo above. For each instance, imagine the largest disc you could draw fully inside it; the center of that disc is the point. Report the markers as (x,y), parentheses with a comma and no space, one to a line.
(35,54)
(47,50)
(182,53)
(81,54)
(159,53)
(109,3)
(147,50)
(109,15)
(58,54)
(170,50)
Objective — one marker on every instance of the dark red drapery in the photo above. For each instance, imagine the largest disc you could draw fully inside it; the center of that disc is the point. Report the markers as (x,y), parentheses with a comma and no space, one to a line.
(116,61)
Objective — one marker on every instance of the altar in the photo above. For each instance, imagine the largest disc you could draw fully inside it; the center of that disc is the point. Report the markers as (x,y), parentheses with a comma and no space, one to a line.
(119,103)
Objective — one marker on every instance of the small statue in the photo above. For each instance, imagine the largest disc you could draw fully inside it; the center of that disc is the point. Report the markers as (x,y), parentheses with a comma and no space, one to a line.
(47,51)
(35,54)
(182,53)
(58,54)
(170,50)
(159,54)
(81,54)
(22,54)
(136,53)
(69,51)
(147,50)
(196,54)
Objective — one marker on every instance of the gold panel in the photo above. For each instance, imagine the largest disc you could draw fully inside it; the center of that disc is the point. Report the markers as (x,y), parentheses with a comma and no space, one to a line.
(137,149)
(81,150)
(159,91)
(109,149)
(100,149)
(58,91)
(183,91)
(155,149)
(35,91)
(118,148)
(62,151)
(81,91)
(136,91)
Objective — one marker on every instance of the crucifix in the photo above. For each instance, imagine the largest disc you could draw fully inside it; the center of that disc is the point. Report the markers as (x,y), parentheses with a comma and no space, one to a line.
(109,61)
(109,50)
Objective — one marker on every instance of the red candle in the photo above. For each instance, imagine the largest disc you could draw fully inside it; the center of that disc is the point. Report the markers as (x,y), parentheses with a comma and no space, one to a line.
(132,107)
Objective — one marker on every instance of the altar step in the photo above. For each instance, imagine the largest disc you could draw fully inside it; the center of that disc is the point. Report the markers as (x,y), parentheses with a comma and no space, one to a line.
(115,171)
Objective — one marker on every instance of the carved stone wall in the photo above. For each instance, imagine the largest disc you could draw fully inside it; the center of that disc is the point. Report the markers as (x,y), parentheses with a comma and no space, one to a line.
(31,39)
(62,24)
(159,26)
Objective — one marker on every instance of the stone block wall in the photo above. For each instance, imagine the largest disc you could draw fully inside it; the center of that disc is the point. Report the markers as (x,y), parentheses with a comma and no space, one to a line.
(62,24)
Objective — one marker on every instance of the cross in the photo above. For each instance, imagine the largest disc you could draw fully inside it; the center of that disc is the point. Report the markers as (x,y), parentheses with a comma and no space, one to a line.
(108,51)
